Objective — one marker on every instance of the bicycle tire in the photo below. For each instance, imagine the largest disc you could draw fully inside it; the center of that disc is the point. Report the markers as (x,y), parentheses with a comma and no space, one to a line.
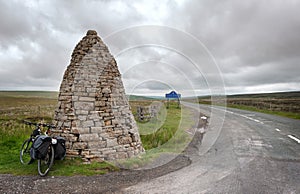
(25,152)
(46,163)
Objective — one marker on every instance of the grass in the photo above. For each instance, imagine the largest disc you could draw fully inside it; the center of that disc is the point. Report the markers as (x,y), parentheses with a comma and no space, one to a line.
(292,115)
(71,167)
(165,132)
(10,163)
(18,106)
(170,138)
(169,135)
(12,137)
(29,94)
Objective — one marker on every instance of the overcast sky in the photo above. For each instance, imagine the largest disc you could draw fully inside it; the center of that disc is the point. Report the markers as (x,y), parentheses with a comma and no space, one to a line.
(194,47)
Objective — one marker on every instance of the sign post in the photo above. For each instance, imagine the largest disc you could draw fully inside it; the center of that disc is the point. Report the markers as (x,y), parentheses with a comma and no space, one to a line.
(173,95)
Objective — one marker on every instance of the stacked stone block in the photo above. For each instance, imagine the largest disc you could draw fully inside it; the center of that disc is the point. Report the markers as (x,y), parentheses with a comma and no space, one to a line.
(93,113)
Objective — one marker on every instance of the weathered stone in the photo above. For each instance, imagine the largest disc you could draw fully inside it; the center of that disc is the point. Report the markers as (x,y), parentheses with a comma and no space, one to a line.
(100,103)
(84,105)
(87,99)
(82,117)
(72,152)
(96,129)
(89,123)
(82,130)
(111,142)
(106,90)
(106,152)
(70,137)
(108,123)
(89,137)
(97,144)
(68,145)
(85,152)
(124,140)
(91,156)
(93,117)
(99,123)
(79,145)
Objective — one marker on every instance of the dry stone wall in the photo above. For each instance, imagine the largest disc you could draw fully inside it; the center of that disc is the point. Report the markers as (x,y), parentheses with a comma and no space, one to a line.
(93,113)
(145,113)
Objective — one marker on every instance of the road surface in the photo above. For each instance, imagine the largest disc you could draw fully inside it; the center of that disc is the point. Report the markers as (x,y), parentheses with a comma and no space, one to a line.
(241,152)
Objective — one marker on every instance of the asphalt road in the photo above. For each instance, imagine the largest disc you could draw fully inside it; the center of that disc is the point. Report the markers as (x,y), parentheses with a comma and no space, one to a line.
(241,152)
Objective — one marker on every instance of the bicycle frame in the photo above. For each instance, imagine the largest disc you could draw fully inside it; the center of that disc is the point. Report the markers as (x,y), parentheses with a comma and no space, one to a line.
(28,146)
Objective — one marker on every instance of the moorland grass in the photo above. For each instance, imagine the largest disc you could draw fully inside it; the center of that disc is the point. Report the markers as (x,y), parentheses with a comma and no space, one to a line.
(165,132)
(285,104)
(292,115)
(13,132)
(170,137)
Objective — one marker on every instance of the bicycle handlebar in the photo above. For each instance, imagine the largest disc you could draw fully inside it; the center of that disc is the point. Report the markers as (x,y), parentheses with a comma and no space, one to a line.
(39,124)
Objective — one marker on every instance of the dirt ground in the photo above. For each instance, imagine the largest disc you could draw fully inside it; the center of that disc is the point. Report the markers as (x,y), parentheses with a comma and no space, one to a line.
(108,183)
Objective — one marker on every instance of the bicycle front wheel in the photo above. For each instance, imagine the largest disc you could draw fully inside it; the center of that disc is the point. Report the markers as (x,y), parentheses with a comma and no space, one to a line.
(46,163)
(25,152)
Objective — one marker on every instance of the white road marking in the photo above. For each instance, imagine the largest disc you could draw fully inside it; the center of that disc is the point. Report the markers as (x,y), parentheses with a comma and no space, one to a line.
(294,138)
(277,129)
(252,119)
(259,143)
(230,112)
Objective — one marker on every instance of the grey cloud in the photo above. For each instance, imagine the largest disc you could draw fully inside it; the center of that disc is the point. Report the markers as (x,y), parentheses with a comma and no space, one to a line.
(255,43)
(245,34)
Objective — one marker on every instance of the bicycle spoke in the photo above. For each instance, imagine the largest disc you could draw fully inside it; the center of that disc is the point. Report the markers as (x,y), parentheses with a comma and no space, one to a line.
(25,152)
(46,163)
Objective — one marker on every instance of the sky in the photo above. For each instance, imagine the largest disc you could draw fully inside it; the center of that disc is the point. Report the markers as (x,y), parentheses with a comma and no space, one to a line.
(194,47)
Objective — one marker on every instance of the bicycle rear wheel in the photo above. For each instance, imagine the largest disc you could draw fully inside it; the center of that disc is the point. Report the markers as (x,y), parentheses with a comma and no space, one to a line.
(46,163)
(25,152)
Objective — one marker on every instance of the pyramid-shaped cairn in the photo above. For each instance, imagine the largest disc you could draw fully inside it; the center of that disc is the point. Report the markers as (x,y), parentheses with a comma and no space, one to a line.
(93,113)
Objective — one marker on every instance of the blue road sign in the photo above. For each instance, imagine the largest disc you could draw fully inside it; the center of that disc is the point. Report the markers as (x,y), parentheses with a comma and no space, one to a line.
(173,94)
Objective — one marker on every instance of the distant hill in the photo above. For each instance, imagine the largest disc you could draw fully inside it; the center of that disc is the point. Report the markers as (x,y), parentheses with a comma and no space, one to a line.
(54,95)
(135,97)
(275,95)
(281,103)
(29,94)
(294,94)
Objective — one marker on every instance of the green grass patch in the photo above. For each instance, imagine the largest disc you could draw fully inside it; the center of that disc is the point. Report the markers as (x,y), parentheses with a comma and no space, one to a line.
(12,136)
(34,106)
(11,142)
(74,166)
(169,135)
(29,94)
(171,138)
(165,132)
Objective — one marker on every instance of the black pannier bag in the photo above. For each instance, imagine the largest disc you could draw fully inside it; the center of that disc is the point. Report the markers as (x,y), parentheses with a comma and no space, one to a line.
(60,148)
(40,147)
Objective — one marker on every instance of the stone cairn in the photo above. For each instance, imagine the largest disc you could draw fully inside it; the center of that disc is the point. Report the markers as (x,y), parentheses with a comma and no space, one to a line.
(93,113)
